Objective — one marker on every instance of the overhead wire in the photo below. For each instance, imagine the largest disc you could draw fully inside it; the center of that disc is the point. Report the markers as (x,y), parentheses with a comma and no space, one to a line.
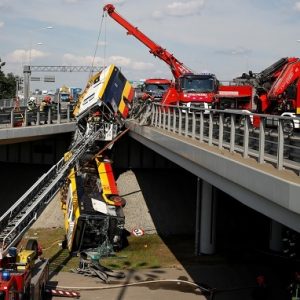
(105,41)
(97,44)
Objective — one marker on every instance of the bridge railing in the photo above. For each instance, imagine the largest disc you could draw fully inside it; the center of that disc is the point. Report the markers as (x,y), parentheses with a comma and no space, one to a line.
(10,103)
(23,117)
(267,138)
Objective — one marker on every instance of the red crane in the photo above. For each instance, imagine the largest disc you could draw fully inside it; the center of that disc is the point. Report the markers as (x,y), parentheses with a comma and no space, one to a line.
(190,89)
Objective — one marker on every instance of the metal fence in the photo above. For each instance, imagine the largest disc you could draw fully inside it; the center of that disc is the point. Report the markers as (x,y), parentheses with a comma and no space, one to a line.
(266,138)
(24,117)
(9,103)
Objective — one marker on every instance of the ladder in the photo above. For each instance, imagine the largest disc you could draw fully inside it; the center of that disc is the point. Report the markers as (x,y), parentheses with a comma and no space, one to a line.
(20,216)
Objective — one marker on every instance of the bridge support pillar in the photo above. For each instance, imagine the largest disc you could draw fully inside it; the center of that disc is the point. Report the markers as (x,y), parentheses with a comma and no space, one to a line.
(205,218)
(275,242)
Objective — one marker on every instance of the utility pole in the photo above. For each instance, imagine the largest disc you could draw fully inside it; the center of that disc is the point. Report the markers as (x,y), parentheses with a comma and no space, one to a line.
(27,73)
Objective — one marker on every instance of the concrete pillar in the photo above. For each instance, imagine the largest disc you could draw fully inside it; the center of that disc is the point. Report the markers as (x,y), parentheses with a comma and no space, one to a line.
(208,219)
(275,242)
(198,216)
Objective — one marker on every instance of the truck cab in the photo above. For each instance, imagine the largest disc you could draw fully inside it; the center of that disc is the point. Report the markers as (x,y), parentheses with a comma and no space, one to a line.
(154,88)
(197,90)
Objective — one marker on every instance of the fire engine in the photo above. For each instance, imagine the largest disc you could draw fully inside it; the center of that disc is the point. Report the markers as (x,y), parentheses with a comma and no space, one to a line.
(189,89)
(154,88)
(23,274)
(272,91)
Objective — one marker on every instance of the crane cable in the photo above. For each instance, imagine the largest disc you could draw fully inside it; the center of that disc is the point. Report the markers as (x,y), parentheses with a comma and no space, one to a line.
(97,44)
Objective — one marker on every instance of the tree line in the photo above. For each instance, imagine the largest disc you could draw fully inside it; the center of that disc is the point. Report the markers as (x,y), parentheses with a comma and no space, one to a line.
(8,83)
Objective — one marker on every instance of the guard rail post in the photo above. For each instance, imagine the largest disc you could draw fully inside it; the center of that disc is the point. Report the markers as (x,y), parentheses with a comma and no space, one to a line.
(186,124)
(38,117)
(49,116)
(25,117)
(58,114)
(221,129)
(246,136)
(180,121)
(210,129)
(164,117)
(152,114)
(232,132)
(68,112)
(169,118)
(174,119)
(280,145)
(156,116)
(201,126)
(261,143)
(159,117)
(12,118)
(193,125)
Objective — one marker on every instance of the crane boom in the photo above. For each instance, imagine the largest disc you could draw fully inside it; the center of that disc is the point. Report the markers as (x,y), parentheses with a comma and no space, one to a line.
(190,89)
(178,68)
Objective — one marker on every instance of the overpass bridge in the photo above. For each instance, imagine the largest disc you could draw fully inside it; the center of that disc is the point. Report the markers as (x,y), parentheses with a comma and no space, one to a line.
(258,167)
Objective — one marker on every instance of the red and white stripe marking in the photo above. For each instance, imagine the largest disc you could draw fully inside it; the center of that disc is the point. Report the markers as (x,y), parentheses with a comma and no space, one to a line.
(62,293)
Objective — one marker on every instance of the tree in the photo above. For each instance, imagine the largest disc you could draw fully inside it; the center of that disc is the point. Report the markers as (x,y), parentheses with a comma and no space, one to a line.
(7,84)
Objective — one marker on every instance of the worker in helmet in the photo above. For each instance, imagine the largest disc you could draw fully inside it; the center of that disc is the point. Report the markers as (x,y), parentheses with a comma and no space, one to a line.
(45,104)
(31,104)
(94,119)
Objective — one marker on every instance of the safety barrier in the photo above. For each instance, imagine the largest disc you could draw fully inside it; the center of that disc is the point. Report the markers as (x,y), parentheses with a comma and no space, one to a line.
(24,117)
(266,138)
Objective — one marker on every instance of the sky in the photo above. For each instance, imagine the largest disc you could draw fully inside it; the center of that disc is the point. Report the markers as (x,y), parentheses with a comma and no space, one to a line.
(224,37)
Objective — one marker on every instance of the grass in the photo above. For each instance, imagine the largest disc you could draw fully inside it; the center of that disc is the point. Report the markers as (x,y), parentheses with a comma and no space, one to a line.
(148,251)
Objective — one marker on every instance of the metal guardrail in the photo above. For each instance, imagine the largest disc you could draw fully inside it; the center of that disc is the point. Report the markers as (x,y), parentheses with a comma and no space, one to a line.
(263,137)
(10,103)
(24,117)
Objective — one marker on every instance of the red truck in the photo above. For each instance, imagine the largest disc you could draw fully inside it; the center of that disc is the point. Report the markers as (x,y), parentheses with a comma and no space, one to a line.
(189,89)
(154,89)
(22,274)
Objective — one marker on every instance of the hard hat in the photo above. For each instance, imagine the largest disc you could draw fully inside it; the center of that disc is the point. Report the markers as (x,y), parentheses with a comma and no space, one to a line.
(32,99)
(96,113)
(47,98)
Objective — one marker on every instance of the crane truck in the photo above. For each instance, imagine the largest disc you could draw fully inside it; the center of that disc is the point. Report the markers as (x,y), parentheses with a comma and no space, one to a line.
(92,207)
(275,91)
(189,89)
